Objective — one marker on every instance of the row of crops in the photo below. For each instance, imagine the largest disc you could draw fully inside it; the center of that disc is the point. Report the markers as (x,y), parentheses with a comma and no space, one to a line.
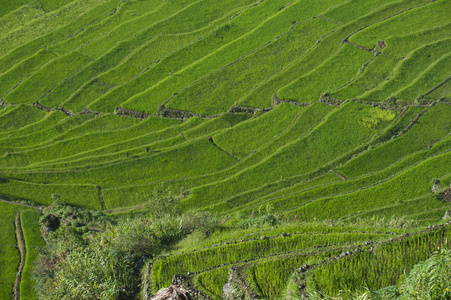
(303,110)
(339,262)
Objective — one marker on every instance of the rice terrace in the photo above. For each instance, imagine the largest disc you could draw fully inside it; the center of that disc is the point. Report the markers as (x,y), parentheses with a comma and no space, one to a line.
(225,149)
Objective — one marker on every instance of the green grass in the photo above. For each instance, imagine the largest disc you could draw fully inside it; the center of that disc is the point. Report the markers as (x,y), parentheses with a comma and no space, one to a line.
(377,71)
(334,73)
(350,10)
(426,81)
(328,45)
(37,85)
(92,141)
(9,255)
(401,45)
(408,70)
(433,126)
(84,196)
(226,86)
(216,125)
(258,37)
(38,27)
(418,19)
(124,49)
(33,240)
(249,136)
(339,134)
(18,17)
(19,117)
(410,184)
(50,127)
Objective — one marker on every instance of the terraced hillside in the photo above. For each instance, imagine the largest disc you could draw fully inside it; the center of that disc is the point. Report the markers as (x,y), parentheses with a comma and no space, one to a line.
(304,110)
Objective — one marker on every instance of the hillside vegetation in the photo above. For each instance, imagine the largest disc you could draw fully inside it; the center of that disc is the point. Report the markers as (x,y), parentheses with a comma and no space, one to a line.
(262,146)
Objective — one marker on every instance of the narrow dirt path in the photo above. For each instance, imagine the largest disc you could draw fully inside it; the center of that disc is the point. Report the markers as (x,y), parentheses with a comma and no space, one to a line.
(22,250)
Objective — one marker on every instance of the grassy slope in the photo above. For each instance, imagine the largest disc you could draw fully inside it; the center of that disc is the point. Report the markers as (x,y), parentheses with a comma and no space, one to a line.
(9,255)
(318,161)
(33,240)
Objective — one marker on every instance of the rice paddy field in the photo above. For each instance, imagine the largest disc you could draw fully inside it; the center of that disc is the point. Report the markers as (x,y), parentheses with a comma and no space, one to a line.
(331,115)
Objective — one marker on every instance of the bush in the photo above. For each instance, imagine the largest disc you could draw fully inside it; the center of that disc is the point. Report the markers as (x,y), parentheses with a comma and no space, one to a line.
(430,279)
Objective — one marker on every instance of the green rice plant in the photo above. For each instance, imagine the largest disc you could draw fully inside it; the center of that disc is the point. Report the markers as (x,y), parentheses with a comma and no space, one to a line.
(122,50)
(173,62)
(103,123)
(147,26)
(309,119)
(54,124)
(332,74)
(339,134)
(90,25)
(104,18)
(39,27)
(33,241)
(426,81)
(18,17)
(9,255)
(382,266)
(85,196)
(226,86)
(143,58)
(417,19)
(442,92)
(164,268)
(10,7)
(253,199)
(433,126)
(251,135)
(217,124)
(274,26)
(49,5)
(401,45)
(351,10)
(320,52)
(211,282)
(234,234)
(4,110)
(189,159)
(43,81)
(411,208)
(95,161)
(20,116)
(408,69)
(137,147)
(429,279)
(298,199)
(80,144)
(412,183)
(48,121)
(270,277)
(19,54)
(377,71)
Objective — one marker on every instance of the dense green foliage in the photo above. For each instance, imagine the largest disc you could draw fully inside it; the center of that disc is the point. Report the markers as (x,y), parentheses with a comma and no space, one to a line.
(201,126)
